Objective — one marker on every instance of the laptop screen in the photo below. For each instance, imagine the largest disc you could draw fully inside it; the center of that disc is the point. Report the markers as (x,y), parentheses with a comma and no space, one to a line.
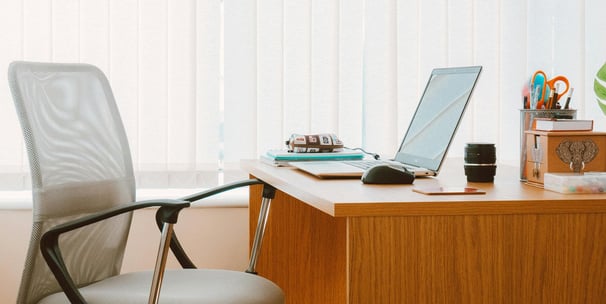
(437,117)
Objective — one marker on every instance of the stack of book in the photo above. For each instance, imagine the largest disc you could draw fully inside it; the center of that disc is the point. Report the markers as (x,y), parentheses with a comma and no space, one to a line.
(553,124)
(281,158)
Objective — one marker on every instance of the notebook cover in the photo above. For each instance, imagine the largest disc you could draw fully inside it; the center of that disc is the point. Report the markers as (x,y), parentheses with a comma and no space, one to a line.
(283,155)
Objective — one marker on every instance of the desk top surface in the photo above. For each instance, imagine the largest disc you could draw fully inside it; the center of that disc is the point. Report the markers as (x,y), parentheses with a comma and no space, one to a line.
(349,197)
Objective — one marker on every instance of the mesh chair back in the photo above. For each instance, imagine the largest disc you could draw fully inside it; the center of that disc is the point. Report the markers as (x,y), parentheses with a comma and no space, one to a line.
(80,163)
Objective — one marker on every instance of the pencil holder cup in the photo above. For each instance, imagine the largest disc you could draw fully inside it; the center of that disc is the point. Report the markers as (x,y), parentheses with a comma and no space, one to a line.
(526,119)
(480,162)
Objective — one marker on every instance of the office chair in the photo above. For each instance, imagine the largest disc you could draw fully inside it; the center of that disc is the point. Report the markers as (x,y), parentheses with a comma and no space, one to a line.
(84,193)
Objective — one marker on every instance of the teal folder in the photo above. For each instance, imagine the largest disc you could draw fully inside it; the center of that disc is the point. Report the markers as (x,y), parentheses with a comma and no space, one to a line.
(282,157)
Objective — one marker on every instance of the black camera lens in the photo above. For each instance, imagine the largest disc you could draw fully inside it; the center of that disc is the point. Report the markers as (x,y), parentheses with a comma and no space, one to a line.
(480,162)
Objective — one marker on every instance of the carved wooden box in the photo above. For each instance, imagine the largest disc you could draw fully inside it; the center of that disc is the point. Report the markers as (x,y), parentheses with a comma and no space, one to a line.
(564,152)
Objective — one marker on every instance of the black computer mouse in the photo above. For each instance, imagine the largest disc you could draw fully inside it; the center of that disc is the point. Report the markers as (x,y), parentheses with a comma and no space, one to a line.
(388,174)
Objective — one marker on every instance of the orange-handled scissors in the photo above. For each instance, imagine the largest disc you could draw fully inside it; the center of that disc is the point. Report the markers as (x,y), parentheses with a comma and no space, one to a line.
(548,86)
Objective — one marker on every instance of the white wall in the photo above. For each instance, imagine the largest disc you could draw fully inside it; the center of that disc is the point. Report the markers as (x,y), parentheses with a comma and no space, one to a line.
(15,229)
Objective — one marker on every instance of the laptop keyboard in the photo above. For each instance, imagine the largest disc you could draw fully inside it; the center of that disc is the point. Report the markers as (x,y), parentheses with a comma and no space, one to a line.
(363,164)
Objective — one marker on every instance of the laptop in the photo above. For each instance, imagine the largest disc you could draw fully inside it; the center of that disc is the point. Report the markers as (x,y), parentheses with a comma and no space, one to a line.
(431,130)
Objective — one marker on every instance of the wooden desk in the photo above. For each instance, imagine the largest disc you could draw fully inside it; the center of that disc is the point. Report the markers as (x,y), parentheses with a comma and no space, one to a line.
(339,241)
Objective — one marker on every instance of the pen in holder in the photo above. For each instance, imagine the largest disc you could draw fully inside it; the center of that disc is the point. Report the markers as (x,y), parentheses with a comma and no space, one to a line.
(526,120)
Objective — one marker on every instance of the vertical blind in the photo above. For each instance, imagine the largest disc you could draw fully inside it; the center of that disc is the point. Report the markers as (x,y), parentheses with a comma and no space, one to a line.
(202,84)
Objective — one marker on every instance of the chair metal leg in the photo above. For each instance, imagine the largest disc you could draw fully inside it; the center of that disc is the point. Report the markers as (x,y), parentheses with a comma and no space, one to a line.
(154,294)
(269,193)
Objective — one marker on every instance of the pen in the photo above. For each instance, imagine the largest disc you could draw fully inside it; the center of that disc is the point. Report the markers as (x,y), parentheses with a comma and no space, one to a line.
(534,101)
(551,97)
(568,99)
(555,96)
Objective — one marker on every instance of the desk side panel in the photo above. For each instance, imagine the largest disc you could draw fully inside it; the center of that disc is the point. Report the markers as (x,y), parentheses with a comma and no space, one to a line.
(303,251)
(553,258)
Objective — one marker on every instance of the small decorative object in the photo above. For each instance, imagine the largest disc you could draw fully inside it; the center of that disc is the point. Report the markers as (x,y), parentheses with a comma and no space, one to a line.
(316,143)
(599,87)
(577,153)
(480,162)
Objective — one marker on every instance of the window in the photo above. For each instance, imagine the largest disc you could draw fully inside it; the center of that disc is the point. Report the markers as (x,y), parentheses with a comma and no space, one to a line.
(203,84)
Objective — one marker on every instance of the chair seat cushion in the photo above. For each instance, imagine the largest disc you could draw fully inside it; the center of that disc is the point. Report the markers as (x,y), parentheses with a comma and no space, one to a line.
(181,286)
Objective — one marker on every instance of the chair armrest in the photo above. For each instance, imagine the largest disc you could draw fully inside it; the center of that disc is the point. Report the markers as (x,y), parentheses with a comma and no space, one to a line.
(216,190)
(49,243)
(175,245)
